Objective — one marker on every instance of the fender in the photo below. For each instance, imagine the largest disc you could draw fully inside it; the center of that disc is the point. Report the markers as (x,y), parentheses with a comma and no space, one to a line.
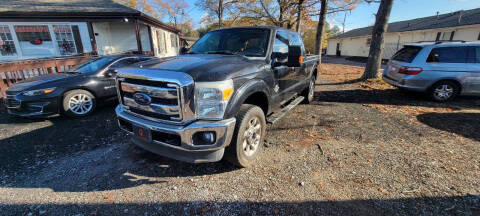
(246,90)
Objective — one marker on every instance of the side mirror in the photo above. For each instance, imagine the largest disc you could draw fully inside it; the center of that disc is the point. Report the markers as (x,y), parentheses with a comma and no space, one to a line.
(183,50)
(111,72)
(295,58)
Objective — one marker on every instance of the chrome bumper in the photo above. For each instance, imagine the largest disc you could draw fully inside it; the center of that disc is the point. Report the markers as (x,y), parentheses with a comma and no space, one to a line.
(186,150)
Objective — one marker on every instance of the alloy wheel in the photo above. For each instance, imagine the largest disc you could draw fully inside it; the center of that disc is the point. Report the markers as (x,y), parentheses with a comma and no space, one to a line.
(252,135)
(80,104)
(443,92)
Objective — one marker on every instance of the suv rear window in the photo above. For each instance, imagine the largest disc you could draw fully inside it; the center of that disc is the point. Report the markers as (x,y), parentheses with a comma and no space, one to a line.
(406,54)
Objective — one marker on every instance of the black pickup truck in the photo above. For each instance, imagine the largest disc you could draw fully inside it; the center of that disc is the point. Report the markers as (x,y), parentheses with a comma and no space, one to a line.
(215,100)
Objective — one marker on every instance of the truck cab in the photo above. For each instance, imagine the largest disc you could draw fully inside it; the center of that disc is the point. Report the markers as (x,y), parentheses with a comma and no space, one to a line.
(215,100)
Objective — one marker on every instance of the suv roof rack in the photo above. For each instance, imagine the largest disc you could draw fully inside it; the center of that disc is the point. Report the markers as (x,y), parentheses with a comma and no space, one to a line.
(442,41)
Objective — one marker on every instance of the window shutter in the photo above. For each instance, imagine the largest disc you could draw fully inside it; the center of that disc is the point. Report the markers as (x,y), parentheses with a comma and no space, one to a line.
(451,35)
(78,38)
(438,36)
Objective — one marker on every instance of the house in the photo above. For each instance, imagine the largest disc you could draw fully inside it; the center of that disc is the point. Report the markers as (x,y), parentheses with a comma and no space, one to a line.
(459,25)
(187,41)
(54,28)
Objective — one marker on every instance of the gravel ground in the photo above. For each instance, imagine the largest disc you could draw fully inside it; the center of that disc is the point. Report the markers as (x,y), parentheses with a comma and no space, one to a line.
(359,149)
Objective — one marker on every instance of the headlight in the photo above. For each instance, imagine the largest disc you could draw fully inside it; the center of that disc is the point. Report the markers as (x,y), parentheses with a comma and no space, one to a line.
(211,99)
(38,92)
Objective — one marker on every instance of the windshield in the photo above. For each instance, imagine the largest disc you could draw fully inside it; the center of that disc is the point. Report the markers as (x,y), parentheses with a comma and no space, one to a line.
(93,65)
(247,42)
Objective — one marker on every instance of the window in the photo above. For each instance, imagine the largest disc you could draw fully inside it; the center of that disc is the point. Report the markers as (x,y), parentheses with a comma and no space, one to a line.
(160,42)
(173,40)
(407,54)
(65,40)
(369,41)
(7,46)
(93,65)
(35,40)
(476,54)
(124,62)
(280,47)
(449,55)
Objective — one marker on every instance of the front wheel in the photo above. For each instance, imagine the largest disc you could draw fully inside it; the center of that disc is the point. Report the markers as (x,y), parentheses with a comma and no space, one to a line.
(78,103)
(248,136)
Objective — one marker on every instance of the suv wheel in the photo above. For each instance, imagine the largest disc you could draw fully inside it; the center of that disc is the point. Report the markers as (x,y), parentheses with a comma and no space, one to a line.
(248,136)
(444,91)
(78,103)
(310,91)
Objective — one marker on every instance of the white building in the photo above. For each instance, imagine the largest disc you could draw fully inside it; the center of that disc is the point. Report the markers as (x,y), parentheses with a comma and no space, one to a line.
(459,25)
(52,28)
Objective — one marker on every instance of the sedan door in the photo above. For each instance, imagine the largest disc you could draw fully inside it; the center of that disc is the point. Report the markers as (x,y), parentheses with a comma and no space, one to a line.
(107,78)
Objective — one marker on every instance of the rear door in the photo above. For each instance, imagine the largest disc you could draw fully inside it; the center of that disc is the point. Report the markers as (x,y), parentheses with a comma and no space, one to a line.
(472,83)
(450,62)
(403,58)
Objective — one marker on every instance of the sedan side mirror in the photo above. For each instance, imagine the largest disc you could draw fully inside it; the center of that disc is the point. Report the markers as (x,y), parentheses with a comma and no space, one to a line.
(183,50)
(295,58)
(111,73)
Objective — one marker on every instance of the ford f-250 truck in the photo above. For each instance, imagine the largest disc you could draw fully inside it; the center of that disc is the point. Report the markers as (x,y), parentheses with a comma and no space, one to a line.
(215,100)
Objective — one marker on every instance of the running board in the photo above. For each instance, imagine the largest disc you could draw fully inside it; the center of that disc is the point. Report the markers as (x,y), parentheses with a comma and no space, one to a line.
(277,116)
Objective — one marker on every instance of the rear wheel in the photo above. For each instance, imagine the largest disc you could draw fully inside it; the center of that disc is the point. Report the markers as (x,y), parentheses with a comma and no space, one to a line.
(248,136)
(78,103)
(444,91)
(310,91)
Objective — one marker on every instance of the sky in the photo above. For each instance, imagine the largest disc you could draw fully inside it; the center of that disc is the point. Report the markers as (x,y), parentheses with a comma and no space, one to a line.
(363,15)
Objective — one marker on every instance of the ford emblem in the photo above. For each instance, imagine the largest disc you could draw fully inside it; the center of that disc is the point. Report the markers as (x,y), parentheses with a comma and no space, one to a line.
(142,99)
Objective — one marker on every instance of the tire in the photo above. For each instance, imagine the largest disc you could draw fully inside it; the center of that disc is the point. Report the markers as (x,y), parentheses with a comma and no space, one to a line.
(444,91)
(245,145)
(73,108)
(309,92)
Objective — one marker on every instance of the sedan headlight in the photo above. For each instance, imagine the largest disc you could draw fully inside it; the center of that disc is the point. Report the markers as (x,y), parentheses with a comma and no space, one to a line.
(38,92)
(211,99)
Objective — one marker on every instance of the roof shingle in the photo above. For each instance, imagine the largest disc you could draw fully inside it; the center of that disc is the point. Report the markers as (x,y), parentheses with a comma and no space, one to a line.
(458,18)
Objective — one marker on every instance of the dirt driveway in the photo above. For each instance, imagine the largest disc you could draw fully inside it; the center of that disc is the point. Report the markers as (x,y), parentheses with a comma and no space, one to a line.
(359,149)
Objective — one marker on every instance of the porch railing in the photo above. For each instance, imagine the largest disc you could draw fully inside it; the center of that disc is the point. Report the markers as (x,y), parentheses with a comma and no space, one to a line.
(15,71)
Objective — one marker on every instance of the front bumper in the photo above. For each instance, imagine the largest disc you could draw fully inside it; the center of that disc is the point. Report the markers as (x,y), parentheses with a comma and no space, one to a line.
(28,107)
(184,147)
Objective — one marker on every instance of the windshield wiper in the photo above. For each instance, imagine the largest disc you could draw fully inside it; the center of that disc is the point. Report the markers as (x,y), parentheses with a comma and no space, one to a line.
(225,52)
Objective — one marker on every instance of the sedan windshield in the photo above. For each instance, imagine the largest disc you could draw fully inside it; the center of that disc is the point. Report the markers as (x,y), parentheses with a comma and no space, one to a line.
(247,42)
(93,65)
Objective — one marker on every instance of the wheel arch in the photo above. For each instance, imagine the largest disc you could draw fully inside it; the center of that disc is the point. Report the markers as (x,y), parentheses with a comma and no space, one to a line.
(457,82)
(253,92)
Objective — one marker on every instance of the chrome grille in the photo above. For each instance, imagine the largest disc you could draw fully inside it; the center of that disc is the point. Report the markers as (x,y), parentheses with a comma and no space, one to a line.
(165,101)
(10,102)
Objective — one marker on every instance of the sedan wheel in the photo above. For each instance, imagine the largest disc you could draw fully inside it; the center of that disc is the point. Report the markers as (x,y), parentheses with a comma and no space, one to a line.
(78,103)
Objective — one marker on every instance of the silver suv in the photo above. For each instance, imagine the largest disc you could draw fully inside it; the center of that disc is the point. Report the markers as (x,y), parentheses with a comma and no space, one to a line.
(442,69)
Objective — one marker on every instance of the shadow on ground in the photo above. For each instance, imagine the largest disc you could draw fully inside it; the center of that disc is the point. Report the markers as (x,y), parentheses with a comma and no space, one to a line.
(457,205)
(392,97)
(464,124)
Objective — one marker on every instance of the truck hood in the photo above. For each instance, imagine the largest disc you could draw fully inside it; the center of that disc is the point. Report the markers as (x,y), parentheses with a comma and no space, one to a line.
(204,68)
(38,81)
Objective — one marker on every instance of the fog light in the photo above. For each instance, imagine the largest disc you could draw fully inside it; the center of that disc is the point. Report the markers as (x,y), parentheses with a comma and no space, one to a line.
(208,137)
(204,138)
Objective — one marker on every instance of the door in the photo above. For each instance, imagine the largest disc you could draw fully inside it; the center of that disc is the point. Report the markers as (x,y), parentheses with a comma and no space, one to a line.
(107,79)
(338,49)
(453,62)
(284,76)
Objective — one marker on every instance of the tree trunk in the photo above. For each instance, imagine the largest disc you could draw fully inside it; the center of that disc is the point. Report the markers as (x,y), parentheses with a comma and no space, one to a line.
(374,61)
(299,14)
(220,13)
(321,30)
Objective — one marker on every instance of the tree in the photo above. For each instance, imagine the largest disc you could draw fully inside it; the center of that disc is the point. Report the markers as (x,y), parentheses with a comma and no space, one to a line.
(174,10)
(374,61)
(321,29)
(217,8)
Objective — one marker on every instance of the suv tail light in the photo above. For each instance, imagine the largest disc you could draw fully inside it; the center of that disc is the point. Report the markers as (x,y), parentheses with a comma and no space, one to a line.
(410,70)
